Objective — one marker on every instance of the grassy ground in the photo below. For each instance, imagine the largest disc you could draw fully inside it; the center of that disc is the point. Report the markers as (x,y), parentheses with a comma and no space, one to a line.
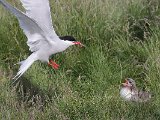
(122,40)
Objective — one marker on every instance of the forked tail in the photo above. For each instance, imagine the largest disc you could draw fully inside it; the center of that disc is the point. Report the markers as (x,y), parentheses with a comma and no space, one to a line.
(25,65)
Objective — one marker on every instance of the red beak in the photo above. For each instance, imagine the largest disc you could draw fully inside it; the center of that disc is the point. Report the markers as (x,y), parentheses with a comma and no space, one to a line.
(125,83)
(79,43)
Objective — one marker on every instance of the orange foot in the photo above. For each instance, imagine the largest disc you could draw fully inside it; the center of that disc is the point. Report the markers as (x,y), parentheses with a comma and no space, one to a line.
(53,64)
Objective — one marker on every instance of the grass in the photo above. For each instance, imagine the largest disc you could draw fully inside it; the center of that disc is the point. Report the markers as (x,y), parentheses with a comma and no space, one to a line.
(122,39)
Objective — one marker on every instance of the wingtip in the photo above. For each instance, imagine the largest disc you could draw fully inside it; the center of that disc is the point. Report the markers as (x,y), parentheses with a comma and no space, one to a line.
(15,78)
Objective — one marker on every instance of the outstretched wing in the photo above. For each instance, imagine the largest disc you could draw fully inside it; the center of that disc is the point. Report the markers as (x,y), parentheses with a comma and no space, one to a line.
(36,36)
(39,10)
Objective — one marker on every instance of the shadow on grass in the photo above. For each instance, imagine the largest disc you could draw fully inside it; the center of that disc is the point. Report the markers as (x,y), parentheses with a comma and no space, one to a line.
(29,94)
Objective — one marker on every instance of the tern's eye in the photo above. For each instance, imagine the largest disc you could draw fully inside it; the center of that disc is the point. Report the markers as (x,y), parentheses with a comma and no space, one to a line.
(130,82)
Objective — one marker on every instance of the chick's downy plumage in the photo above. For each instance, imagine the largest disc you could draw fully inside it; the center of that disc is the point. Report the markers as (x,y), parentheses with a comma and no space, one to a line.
(130,92)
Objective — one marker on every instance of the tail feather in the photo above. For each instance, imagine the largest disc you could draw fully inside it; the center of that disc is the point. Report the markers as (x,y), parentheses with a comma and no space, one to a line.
(25,65)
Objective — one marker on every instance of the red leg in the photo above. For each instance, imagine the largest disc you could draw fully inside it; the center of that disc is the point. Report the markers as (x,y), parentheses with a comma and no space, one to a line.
(53,64)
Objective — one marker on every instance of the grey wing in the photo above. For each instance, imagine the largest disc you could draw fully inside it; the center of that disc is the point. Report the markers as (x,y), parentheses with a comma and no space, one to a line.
(39,10)
(35,35)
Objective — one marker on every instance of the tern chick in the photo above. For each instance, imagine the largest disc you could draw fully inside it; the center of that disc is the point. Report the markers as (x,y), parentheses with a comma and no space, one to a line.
(130,92)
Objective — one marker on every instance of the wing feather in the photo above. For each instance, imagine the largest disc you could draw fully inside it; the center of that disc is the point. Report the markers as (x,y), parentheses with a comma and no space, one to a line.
(34,33)
(39,10)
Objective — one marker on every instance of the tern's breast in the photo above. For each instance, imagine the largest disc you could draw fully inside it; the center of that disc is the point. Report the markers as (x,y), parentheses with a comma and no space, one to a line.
(126,93)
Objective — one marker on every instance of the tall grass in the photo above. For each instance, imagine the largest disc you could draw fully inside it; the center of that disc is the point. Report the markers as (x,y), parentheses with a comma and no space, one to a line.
(122,40)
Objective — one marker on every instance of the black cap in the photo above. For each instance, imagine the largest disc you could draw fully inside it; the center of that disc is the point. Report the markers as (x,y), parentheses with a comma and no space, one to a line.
(69,38)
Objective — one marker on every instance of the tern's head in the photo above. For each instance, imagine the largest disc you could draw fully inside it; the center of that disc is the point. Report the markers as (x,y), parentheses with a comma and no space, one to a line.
(129,82)
(71,40)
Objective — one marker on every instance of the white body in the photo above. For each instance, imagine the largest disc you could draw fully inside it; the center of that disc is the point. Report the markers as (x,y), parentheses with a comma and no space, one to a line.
(37,25)
(126,93)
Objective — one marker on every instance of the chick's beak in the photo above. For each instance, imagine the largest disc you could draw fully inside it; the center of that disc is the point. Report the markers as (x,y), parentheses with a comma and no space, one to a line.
(125,83)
